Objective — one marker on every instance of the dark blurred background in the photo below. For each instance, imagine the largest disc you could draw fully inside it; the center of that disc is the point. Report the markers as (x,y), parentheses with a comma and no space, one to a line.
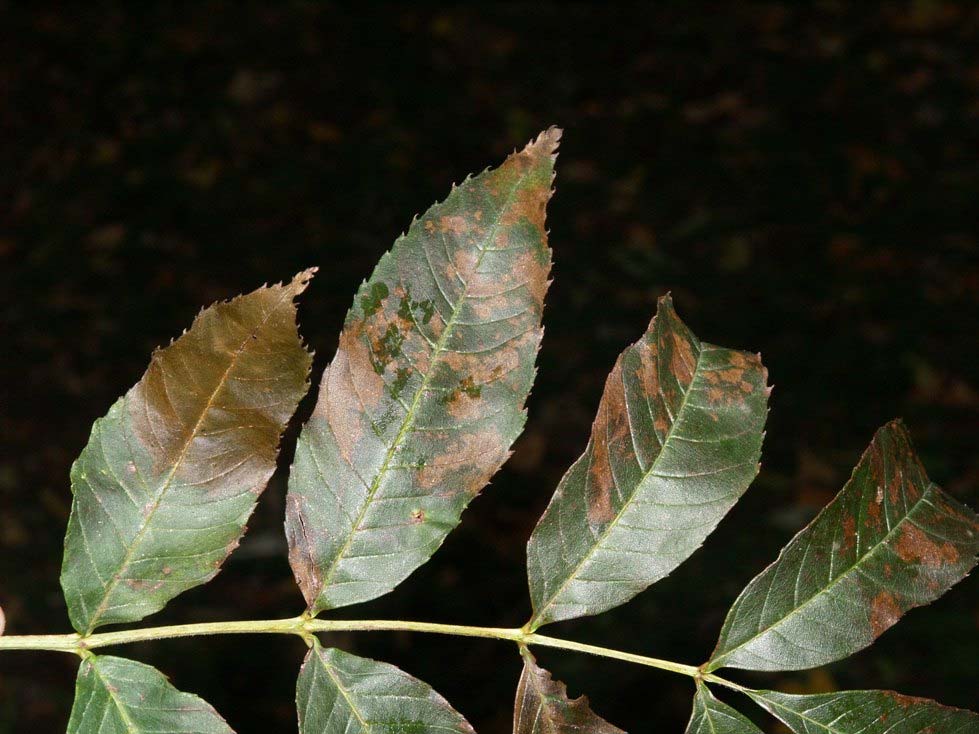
(802,176)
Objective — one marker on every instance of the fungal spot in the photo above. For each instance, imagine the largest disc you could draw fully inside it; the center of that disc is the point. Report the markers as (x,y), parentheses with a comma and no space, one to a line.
(849,534)
(400,381)
(914,546)
(370,302)
(884,612)
(470,388)
(417,516)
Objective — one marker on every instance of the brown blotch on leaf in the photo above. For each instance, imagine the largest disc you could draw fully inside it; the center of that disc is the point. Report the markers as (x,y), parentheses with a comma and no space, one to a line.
(470,459)
(884,612)
(914,546)
(849,534)
(302,549)
(609,431)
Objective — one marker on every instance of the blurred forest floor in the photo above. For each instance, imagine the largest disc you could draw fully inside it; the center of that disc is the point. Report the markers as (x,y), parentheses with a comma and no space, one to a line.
(802,176)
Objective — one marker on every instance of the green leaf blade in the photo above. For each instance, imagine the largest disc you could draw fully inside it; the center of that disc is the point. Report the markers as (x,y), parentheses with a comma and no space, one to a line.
(425,395)
(865,712)
(542,706)
(711,716)
(890,541)
(340,693)
(171,474)
(674,445)
(118,696)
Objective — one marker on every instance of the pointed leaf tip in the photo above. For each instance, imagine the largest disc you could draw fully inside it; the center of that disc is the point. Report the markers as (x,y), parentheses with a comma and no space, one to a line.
(546,143)
(675,443)
(890,541)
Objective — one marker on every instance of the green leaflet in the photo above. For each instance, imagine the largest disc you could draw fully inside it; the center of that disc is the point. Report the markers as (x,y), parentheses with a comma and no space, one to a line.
(542,706)
(340,693)
(425,395)
(890,540)
(119,696)
(865,712)
(674,445)
(171,474)
(711,716)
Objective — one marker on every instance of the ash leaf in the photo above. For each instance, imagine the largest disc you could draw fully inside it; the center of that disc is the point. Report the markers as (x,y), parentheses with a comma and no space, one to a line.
(425,395)
(171,474)
(675,444)
(890,540)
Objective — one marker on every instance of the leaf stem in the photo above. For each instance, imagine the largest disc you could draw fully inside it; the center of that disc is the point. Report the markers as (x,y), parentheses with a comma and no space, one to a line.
(303,627)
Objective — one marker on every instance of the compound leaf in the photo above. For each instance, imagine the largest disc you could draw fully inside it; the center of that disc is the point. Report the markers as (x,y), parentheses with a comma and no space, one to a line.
(171,474)
(119,696)
(711,716)
(890,540)
(675,444)
(542,706)
(865,712)
(340,693)
(425,395)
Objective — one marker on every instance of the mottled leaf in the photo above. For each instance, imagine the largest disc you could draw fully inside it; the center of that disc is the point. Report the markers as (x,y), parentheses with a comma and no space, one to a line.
(890,540)
(340,693)
(119,696)
(675,444)
(711,716)
(866,712)
(543,707)
(170,476)
(425,395)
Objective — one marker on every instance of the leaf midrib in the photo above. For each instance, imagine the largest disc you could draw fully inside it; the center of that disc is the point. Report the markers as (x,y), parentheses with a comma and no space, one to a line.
(409,418)
(110,689)
(820,724)
(718,662)
(318,652)
(168,481)
(534,622)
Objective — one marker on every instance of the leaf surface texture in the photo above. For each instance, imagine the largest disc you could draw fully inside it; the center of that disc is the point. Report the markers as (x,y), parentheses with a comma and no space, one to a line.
(542,706)
(711,716)
(340,693)
(118,696)
(889,541)
(674,445)
(425,395)
(171,474)
(866,712)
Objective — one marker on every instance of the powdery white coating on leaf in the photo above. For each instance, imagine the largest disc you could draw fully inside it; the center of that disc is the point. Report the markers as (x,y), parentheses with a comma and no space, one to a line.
(542,706)
(340,693)
(118,696)
(865,712)
(674,445)
(171,474)
(711,716)
(889,541)
(425,395)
